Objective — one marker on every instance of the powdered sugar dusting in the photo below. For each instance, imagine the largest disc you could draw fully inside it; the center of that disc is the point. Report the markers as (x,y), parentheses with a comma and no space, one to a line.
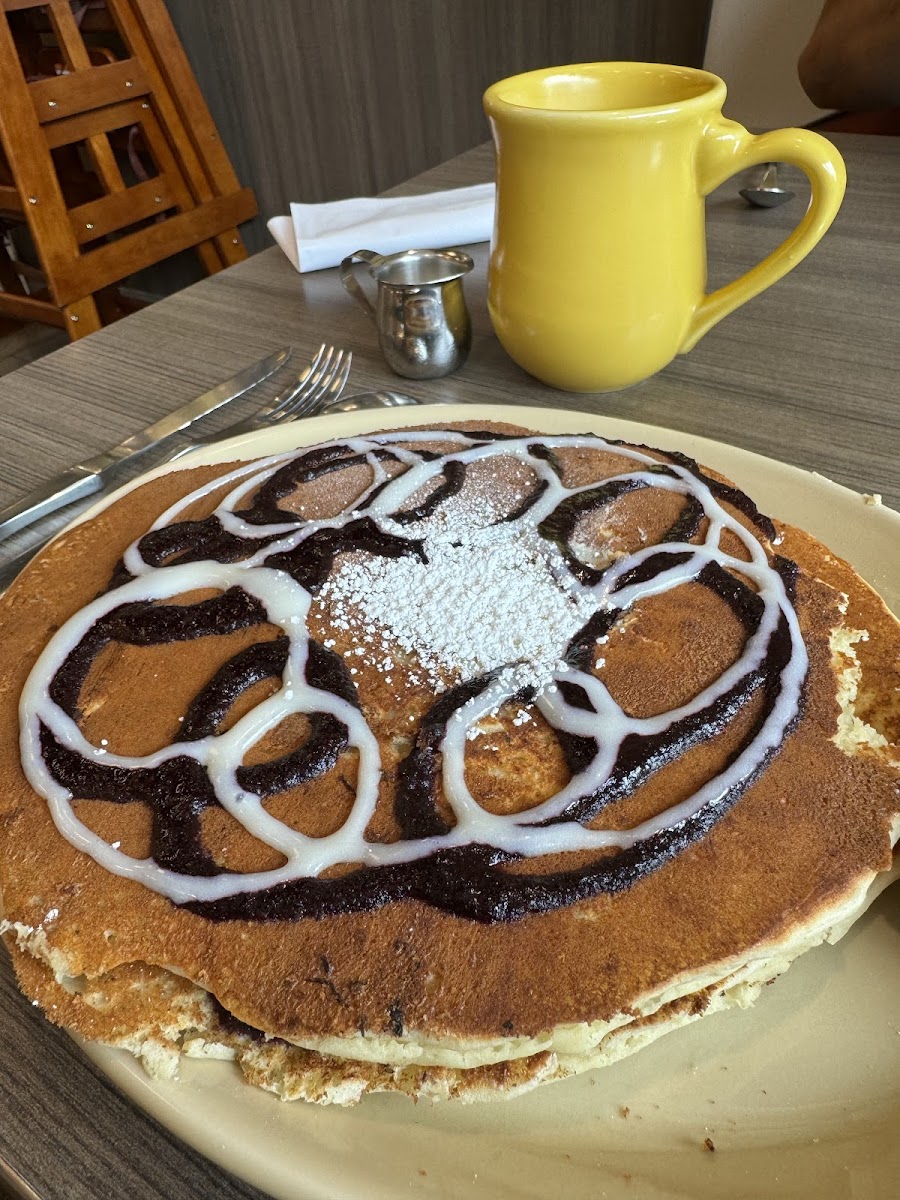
(489,596)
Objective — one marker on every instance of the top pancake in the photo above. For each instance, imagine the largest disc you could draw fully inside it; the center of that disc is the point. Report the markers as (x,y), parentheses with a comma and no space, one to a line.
(803,840)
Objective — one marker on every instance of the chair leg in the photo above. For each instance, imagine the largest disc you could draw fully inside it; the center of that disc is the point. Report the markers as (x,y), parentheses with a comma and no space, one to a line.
(82,318)
(231,247)
(209,256)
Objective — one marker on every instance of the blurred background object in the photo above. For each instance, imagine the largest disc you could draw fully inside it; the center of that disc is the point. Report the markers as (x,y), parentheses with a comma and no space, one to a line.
(754,47)
(852,63)
(831,64)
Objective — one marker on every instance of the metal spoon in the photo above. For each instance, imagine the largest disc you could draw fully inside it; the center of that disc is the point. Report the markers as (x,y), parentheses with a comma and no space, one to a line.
(373,400)
(766,192)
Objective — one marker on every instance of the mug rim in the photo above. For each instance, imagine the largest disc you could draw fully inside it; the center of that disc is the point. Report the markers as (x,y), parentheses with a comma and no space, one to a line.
(495,102)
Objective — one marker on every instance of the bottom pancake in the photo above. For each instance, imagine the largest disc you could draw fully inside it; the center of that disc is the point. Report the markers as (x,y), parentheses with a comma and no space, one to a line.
(160,1017)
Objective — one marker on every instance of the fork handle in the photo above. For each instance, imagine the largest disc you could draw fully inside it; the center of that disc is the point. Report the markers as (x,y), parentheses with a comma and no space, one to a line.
(253,423)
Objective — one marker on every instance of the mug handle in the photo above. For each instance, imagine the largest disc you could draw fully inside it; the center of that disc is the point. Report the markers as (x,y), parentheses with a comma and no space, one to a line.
(727,148)
(352,284)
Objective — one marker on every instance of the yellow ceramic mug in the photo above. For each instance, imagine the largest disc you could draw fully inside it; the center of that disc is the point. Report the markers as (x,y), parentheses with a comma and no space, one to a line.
(598,265)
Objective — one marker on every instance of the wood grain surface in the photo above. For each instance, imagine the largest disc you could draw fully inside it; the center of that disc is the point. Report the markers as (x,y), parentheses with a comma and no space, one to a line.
(806,373)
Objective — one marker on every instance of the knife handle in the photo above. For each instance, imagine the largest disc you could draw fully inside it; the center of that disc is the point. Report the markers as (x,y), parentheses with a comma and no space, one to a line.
(63,489)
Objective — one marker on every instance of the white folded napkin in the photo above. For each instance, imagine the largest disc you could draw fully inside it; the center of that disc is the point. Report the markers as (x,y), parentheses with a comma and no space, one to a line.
(320,235)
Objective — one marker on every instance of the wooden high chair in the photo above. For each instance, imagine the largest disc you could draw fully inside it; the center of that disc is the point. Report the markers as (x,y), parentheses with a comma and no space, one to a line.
(108,153)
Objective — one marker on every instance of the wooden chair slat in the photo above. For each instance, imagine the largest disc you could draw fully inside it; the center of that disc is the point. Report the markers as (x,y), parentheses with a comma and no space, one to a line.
(81,318)
(26,308)
(14,5)
(83,125)
(64,95)
(68,34)
(10,200)
(113,213)
(105,162)
(95,269)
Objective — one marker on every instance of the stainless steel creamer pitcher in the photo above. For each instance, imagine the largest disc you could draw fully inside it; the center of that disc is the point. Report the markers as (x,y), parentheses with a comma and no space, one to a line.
(420,311)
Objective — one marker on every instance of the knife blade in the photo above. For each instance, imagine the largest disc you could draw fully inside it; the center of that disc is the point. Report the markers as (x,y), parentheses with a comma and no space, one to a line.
(85,478)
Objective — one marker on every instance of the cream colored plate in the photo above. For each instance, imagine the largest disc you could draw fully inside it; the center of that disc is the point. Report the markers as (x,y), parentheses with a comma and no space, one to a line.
(800,1096)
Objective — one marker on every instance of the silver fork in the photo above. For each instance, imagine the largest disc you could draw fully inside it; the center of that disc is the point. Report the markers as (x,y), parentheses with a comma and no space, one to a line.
(319,384)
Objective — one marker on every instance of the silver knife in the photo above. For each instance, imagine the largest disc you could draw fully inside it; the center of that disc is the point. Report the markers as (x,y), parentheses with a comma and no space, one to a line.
(90,476)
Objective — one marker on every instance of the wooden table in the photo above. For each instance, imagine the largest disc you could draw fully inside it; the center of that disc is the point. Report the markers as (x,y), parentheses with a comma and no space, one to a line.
(807,373)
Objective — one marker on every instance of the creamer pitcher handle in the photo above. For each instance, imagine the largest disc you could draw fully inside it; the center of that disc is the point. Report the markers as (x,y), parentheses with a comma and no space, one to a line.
(727,148)
(352,284)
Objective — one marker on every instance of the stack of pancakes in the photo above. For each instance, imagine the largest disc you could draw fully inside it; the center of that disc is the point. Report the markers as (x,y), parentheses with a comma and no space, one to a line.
(453,969)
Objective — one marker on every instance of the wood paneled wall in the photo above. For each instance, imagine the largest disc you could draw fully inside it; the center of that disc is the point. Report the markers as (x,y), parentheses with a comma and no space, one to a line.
(320,99)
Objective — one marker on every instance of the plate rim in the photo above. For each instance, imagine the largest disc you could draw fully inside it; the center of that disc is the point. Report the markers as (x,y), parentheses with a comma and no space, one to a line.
(118,1065)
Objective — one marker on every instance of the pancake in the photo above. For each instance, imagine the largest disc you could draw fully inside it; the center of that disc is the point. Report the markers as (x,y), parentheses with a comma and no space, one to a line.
(447,761)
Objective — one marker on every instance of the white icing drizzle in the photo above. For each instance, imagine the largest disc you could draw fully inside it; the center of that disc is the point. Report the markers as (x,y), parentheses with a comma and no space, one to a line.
(287,605)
